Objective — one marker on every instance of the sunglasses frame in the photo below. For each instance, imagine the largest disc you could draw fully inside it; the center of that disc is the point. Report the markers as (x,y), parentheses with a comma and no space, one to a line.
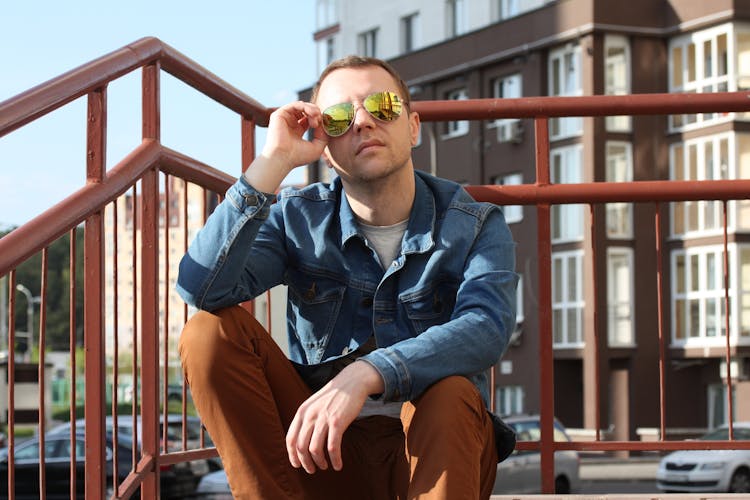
(396,108)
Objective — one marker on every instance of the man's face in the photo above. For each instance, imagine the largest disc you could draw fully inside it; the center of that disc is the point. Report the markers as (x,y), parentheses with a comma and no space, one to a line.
(371,149)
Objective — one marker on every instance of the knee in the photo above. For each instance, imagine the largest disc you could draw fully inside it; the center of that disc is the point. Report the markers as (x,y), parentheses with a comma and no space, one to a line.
(452,398)
(200,326)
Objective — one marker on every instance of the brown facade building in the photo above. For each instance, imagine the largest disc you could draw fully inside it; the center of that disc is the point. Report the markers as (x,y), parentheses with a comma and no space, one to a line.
(600,47)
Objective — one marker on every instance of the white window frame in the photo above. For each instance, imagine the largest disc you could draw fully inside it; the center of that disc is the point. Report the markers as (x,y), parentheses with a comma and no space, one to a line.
(562,62)
(456,18)
(326,14)
(699,69)
(367,43)
(509,399)
(719,391)
(411,33)
(567,220)
(616,68)
(326,52)
(456,128)
(567,299)
(620,309)
(698,296)
(619,168)
(513,213)
(688,161)
(508,87)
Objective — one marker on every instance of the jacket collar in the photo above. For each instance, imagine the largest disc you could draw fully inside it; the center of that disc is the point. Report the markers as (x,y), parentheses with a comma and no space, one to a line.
(418,237)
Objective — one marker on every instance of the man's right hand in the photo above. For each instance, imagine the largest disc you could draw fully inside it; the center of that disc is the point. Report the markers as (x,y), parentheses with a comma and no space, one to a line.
(286,146)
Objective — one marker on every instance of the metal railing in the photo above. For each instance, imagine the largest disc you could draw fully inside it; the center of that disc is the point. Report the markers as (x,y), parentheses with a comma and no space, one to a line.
(130,208)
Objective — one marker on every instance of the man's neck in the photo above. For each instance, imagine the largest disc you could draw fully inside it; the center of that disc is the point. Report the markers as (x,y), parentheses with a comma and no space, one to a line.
(382,203)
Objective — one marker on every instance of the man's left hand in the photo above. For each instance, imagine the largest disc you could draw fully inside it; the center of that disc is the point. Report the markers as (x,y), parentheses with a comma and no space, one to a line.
(320,422)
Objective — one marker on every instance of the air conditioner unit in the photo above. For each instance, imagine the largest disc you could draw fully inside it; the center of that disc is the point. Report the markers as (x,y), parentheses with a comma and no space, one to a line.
(509,131)
(740,368)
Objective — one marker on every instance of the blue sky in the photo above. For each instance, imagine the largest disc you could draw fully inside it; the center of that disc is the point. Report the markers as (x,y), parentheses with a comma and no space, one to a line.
(263,48)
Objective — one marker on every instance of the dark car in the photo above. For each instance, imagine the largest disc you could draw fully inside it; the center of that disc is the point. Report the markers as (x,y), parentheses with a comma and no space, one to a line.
(57,452)
(176,480)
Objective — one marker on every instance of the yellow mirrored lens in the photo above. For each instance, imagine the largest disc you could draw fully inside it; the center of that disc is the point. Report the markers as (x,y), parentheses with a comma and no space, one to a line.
(338,118)
(384,106)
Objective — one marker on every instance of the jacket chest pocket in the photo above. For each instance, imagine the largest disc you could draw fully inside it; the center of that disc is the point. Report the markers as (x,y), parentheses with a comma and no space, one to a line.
(430,306)
(314,306)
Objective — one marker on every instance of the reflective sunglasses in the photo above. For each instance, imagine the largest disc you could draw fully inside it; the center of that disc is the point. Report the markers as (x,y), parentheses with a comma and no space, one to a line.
(385,106)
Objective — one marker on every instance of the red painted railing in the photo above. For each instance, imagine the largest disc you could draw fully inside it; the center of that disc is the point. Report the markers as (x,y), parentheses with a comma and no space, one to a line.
(132,206)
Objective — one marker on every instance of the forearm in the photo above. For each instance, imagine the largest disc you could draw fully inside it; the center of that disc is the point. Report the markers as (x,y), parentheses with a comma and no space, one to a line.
(217,257)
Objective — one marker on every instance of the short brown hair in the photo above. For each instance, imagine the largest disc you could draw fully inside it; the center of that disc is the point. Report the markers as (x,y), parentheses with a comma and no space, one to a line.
(362,62)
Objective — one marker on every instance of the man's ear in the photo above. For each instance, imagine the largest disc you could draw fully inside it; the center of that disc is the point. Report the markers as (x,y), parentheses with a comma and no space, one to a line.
(326,156)
(414,126)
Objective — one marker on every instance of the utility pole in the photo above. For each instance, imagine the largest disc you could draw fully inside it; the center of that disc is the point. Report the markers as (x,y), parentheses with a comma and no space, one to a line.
(30,301)
(4,314)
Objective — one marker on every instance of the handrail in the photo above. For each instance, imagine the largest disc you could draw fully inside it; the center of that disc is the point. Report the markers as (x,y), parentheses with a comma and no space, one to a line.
(55,93)
(592,105)
(72,211)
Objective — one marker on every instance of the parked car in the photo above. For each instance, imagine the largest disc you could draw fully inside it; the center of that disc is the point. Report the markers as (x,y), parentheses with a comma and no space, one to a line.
(57,451)
(214,486)
(520,472)
(177,480)
(699,471)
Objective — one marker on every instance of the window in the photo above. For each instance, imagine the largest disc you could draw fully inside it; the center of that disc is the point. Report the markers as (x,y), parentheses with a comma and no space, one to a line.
(367,43)
(700,62)
(565,80)
(519,302)
(410,33)
(567,299)
(619,169)
(513,213)
(456,17)
(326,52)
(705,158)
(460,127)
(512,8)
(507,87)
(699,307)
(567,168)
(718,407)
(509,400)
(617,77)
(620,317)
(326,14)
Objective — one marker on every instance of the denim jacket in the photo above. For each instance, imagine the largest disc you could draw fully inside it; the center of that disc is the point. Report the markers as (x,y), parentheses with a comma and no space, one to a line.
(446,306)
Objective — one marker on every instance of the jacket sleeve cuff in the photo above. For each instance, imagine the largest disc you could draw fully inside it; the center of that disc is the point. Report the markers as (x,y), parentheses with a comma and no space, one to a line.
(396,378)
(249,201)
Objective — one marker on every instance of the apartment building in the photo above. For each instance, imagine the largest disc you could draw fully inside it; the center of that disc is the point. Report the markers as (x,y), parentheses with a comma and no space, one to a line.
(459,49)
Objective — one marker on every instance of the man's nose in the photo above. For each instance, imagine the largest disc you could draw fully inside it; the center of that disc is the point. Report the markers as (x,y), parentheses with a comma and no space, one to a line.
(362,118)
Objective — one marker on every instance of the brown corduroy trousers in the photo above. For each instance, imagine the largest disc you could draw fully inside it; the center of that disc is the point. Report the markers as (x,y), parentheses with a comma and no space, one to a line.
(247,393)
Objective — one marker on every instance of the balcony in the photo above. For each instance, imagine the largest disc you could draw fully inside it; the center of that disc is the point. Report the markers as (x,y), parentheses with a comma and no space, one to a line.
(127,227)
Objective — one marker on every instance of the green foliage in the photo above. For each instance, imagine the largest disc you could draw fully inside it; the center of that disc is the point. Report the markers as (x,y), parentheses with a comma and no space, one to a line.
(29,274)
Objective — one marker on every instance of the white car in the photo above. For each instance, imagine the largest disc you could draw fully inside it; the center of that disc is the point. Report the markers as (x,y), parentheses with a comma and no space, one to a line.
(520,472)
(698,471)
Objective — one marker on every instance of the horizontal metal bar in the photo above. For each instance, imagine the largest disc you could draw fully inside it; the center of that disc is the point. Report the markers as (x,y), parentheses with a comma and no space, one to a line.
(598,105)
(191,170)
(608,192)
(636,445)
(177,457)
(55,93)
(28,239)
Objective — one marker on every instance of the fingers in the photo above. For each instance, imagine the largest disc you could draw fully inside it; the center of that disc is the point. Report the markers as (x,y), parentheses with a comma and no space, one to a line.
(306,442)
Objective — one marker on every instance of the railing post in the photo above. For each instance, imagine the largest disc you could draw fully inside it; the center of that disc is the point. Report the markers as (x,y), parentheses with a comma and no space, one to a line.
(93,310)
(150,287)
(546,357)
(247,131)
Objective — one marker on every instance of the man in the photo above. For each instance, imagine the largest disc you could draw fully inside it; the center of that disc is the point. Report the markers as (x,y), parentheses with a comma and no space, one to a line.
(401,297)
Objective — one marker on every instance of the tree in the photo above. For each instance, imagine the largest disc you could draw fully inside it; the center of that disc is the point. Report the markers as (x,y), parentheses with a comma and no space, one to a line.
(29,274)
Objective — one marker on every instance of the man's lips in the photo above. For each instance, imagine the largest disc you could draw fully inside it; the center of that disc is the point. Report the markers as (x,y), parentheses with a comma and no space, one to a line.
(366,144)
